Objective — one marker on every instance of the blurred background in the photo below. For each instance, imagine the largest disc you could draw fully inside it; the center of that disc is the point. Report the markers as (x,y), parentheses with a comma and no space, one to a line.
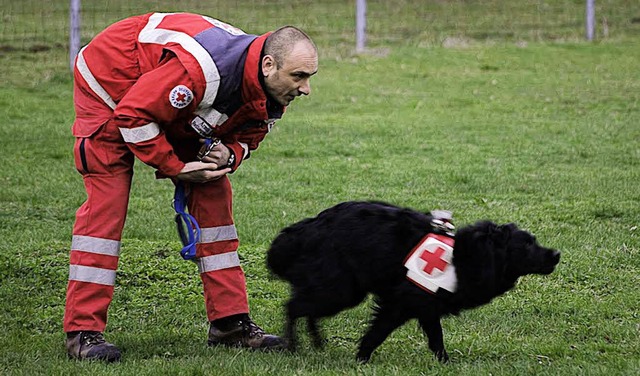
(39,30)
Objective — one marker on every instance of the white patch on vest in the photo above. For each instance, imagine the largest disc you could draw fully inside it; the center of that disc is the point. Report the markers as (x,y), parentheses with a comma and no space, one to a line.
(430,265)
(206,120)
(180,96)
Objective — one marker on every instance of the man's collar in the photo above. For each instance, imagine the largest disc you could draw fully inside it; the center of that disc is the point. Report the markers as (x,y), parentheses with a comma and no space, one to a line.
(254,89)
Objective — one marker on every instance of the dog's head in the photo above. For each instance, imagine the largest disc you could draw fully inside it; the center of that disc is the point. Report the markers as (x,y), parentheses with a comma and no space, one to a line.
(490,258)
(525,255)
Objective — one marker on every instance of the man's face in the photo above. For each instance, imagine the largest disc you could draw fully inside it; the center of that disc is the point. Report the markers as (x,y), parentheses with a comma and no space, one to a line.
(290,80)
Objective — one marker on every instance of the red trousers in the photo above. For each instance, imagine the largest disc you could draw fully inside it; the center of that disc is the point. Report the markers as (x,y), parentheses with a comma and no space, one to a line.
(106,165)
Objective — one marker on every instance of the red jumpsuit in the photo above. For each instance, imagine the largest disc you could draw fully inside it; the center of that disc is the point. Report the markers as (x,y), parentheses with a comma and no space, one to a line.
(148,87)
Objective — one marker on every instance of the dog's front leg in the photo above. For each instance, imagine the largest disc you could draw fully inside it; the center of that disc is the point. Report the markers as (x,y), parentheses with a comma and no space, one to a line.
(383,324)
(290,329)
(433,330)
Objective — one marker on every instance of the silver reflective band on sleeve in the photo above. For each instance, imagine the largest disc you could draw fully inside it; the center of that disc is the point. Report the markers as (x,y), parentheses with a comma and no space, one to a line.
(207,120)
(93,275)
(211,116)
(218,262)
(81,64)
(152,34)
(225,26)
(218,234)
(245,147)
(140,134)
(95,245)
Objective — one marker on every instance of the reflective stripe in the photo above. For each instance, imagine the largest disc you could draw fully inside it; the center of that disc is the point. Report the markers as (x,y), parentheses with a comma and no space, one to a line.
(225,26)
(207,120)
(218,234)
(95,245)
(222,119)
(140,134)
(245,147)
(211,116)
(218,262)
(81,64)
(150,34)
(93,275)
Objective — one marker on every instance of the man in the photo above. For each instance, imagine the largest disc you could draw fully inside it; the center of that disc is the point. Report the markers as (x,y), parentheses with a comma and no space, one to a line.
(153,87)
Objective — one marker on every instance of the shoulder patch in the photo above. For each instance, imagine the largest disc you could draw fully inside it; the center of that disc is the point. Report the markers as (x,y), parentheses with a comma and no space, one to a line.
(180,96)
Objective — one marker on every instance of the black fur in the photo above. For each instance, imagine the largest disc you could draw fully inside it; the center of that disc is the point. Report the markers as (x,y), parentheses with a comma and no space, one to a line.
(333,261)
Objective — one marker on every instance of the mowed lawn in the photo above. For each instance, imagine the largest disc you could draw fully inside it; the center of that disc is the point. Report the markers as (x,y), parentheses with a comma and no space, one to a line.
(546,135)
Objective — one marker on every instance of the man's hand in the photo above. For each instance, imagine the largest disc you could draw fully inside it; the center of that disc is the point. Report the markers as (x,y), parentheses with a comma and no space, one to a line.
(201,172)
(219,155)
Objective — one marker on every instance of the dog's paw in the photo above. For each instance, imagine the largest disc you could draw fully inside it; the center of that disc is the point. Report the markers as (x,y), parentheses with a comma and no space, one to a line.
(442,356)
(290,345)
(318,343)
(363,359)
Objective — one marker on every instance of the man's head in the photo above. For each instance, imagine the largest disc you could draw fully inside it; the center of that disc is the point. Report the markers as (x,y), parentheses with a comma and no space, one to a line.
(290,59)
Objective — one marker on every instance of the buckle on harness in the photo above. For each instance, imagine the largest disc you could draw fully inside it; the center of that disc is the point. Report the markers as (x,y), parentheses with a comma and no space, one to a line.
(209,144)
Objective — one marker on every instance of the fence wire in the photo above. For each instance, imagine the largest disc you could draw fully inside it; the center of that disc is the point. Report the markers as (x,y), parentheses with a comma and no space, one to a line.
(42,27)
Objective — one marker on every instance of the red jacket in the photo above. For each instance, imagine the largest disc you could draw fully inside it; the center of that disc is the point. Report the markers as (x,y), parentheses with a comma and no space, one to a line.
(168,79)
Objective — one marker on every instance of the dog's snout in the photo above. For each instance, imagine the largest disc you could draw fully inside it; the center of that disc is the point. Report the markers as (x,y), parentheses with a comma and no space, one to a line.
(554,257)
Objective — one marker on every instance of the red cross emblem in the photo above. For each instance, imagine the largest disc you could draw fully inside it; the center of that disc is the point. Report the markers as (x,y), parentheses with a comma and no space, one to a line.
(180,96)
(434,260)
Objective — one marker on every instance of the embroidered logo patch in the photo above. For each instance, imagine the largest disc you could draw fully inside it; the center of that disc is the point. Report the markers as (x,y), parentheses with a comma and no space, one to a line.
(180,96)
(430,264)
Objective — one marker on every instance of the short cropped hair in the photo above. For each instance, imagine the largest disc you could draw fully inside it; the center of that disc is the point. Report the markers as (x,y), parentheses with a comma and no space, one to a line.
(281,42)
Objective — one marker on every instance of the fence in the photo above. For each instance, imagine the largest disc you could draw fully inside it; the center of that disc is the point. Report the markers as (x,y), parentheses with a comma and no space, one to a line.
(41,28)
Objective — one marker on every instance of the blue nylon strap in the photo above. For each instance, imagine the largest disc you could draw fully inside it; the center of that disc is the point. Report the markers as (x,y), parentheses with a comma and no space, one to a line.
(188,227)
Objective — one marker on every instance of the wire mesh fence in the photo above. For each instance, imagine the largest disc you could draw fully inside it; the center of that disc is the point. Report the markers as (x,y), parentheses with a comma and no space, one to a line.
(41,28)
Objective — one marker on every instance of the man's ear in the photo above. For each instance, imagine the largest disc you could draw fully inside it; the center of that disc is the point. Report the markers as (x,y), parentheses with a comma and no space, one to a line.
(268,65)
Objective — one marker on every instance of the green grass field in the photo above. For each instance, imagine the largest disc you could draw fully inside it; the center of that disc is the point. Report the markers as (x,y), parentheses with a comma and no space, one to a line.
(544,133)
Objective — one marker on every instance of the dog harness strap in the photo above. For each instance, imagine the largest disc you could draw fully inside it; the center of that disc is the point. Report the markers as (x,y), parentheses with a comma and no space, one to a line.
(188,228)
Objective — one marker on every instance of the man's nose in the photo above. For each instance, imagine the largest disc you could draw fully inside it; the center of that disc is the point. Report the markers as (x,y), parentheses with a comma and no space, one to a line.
(305,87)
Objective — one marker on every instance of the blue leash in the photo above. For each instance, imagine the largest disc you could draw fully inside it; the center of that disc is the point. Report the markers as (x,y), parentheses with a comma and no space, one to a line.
(188,227)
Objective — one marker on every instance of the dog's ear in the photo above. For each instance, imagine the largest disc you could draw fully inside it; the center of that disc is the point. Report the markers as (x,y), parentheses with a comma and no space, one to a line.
(501,234)
(477,241)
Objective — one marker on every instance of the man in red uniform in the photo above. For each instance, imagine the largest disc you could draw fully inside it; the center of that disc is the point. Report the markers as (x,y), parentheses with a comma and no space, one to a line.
(152,87)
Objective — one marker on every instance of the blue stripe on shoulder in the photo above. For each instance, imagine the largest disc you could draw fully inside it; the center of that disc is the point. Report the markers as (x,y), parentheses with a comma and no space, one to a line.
(229,52)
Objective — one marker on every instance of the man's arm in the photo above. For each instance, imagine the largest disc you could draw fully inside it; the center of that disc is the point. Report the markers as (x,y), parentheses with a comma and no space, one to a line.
(151,101)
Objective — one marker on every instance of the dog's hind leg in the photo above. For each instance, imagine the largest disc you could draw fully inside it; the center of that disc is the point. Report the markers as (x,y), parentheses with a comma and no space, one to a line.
(433,330)
(386,320)
(314,331)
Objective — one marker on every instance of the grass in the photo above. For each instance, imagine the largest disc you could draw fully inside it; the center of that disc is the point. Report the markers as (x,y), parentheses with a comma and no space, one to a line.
(543,134)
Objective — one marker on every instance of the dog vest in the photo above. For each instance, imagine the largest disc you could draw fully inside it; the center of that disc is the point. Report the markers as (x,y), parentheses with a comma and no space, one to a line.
(430,264)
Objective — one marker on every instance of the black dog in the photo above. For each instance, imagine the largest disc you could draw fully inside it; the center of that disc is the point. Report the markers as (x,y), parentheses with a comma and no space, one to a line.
(334,260)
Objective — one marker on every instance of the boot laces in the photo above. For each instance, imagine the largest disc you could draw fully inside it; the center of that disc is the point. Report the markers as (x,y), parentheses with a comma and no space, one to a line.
(93,338)
(252,329)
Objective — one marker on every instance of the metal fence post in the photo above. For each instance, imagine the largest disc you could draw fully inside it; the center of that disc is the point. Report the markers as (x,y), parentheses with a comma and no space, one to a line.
(74,31)
(361,24)
(591,19)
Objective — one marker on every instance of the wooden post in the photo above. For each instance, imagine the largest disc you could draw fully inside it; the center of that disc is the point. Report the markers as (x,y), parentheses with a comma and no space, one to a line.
(74,31)
(361,25)
(591,19)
